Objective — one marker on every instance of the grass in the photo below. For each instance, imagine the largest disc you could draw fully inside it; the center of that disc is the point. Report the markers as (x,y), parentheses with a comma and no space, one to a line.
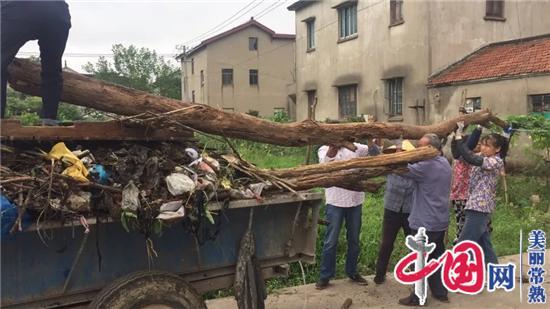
(507,220)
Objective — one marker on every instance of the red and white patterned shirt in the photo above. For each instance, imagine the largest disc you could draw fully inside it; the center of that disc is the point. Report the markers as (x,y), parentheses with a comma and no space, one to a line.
(336,196)
(461,180)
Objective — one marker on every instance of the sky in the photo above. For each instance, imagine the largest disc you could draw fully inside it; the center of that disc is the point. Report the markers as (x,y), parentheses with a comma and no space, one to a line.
(158,25)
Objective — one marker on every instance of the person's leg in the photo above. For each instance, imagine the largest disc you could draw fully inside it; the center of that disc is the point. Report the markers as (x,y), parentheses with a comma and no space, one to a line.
(334,216)
(475,224)
(412,299)
(52,43)
(460,217)
(435,282)
(390,227)
(405,224)
(14,33)
(488,250)
(353,231)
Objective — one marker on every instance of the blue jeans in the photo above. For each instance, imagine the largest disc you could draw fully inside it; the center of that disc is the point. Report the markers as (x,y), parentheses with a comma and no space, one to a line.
(475,229)
(335,216)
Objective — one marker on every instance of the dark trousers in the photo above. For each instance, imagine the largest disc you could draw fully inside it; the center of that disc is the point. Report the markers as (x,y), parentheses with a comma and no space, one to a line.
(49,23)
(391,224)
(335,217)
(434,281)
(476,229)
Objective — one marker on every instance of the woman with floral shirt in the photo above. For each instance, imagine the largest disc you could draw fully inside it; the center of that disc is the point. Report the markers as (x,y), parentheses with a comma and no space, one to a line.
(481,202)
(461,180)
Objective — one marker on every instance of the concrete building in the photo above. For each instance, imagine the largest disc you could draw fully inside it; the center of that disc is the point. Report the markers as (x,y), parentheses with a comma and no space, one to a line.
(247,68)
(510,78)
(375,56)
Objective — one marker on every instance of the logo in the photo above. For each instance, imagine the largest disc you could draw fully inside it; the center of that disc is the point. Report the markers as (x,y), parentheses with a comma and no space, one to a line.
(463,268)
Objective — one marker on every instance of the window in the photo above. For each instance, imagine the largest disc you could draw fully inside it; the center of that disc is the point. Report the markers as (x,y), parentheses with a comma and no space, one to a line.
(396,13)
(192,66)
(347,101)
(494,9)
(347,18)
(202,78)
(394,88)
(253,77)
(310,25)
(311,98)
(227,77)
(472,105)
(193,96)
(252,43)
(228,109)
(540,103)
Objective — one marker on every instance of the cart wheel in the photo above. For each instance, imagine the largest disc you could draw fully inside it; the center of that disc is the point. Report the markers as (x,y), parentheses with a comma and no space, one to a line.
(149,290)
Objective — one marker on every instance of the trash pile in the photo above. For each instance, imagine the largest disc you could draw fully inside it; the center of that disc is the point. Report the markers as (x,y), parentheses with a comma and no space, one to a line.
(143,184)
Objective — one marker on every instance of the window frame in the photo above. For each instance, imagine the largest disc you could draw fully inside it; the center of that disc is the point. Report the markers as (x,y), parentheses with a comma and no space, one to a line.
(202,78)
(394,19)
(251,76)
(545,104)
(475,104)
(227,72)
(311,97)
(251,45)
(347,21)
(310,30)
(343,107)
(494,10)
(394,95)
(193,96)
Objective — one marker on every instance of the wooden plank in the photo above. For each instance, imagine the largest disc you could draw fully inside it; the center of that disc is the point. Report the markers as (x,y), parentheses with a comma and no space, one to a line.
(100,131)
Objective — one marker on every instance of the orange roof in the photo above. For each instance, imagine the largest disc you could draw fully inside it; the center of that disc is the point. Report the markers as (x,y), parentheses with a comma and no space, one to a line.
(507,59)
(251,23)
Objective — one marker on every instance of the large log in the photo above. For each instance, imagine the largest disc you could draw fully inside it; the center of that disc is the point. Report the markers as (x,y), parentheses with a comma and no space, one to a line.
(24,76)
(400,158)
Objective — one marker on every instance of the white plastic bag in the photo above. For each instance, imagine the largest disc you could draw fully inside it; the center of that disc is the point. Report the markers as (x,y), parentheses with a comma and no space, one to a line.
(179,183)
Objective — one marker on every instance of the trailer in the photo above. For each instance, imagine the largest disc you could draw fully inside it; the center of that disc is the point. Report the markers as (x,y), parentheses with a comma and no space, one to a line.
(60,265)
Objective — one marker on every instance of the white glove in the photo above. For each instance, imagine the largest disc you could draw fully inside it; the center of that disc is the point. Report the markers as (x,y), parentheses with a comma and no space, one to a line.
(460,129)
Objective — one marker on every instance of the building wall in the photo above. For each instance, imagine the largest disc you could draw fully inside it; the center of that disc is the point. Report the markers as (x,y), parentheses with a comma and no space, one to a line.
(274,61)
(504,97)
(467,31)
(434,34)
(194,83)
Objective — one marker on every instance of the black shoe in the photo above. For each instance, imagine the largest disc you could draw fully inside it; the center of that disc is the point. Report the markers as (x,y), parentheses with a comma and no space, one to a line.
(409,301)
(321,284)
(358,279)
(443,299)
(379,279)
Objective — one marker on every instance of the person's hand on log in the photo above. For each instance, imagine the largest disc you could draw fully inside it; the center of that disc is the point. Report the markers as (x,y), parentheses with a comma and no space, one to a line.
(332,151)
(338,145)
(460,130)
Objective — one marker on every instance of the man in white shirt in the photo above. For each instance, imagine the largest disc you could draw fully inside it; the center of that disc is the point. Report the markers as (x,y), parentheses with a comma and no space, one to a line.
(342,205)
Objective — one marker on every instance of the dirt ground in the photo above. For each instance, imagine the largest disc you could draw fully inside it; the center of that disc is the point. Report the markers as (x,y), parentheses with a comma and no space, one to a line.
(387,294)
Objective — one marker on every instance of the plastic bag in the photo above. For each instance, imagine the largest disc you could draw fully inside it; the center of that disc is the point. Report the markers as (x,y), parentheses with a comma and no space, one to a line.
(130,197)
(179,184)
(77,170)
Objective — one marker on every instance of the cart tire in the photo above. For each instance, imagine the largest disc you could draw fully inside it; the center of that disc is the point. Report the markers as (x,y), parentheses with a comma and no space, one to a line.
(148,289)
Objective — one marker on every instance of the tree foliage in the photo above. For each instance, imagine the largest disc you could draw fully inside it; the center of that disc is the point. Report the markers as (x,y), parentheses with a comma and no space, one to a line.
(537,127)
(27,108)
(139,68)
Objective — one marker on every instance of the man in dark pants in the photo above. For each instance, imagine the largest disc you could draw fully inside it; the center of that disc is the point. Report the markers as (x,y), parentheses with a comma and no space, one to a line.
(432,188)
(397,206)
(49,23)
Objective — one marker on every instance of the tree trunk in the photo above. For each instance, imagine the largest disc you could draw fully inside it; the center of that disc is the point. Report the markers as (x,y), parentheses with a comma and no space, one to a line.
(395,159)
(24,76)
